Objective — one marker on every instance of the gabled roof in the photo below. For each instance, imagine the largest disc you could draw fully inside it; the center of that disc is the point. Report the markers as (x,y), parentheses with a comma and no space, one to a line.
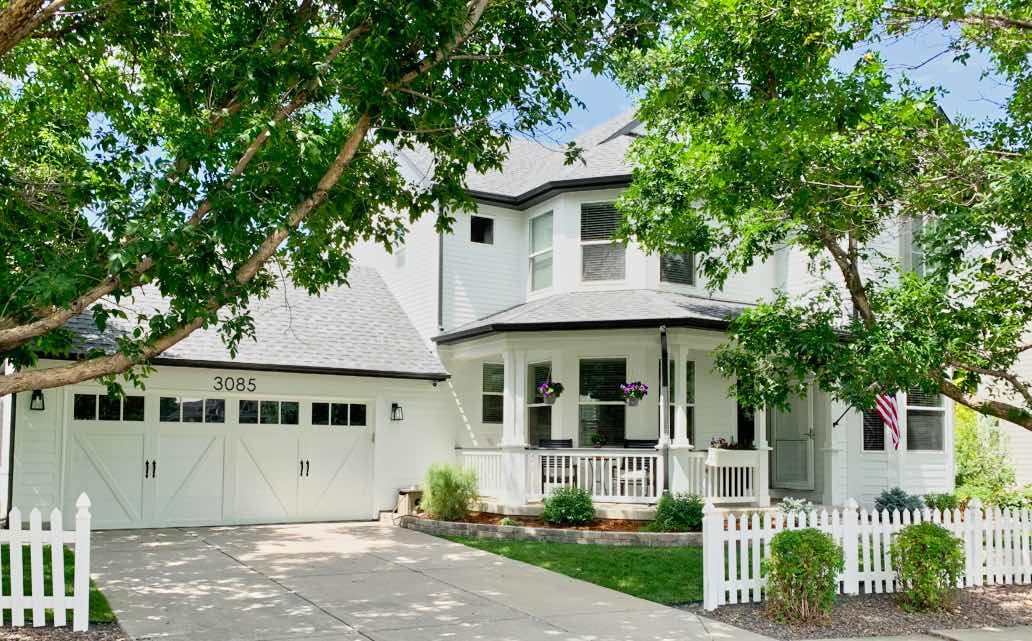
(357,330)
(625,308)
(533,170)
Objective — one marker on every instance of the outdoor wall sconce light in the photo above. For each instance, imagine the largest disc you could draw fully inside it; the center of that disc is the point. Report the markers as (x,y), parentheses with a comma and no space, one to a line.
(37,402)
(397,413)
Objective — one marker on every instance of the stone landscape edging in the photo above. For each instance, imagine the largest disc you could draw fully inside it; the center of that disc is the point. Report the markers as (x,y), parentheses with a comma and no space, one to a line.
(552,535)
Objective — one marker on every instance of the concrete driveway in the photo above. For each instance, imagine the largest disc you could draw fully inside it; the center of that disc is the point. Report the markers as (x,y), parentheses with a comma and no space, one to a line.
(344,581)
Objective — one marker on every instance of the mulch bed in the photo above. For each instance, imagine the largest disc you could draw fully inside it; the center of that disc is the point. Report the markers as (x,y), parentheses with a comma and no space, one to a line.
(97,632)
(878,615)
(605,525)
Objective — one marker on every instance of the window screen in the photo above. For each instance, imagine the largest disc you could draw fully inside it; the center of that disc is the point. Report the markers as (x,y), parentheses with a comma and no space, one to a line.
(481,230)
(492,397)
(925,421)
(677,268)
(601,259)
(874,432)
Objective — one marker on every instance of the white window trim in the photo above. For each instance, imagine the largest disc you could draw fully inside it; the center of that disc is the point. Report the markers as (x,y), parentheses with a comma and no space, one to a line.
(626,359)
(470,237)
(532,393)
(941,409)
(583,243)
(531,255)
(695,273)
(484,393)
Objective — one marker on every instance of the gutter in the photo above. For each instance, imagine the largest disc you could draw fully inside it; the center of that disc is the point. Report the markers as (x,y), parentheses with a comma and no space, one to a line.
(542,192)
(490,328)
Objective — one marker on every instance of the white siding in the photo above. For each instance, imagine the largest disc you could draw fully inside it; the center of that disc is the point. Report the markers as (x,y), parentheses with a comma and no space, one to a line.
(480,279)
(403,449)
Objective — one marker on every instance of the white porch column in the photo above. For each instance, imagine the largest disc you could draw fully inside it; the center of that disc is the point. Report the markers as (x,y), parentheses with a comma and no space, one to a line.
(680,401)
(763,450)
(514,428)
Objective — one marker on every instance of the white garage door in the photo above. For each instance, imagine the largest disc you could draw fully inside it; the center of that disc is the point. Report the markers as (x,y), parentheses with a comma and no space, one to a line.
(166,460)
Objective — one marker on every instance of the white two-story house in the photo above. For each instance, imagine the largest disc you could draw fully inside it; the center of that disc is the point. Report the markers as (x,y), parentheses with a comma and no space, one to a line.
(434,353)
(532,287)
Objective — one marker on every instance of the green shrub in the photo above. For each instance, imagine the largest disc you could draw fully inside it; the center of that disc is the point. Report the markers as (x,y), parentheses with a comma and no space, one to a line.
(790,505)
(508,521)
(802,574)
(980,451)
(928,561)
(897,499)
(965,493)
(942,502)
(449,492)
(677,513)
(568,506)
(1011,499)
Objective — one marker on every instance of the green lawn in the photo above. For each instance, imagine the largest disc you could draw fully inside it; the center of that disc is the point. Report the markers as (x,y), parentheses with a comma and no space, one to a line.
(100,611)
(663,575)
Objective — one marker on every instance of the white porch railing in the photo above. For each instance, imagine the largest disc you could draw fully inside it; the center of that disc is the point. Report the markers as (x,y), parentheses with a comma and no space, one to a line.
(614,475)
(487,465)
(723,476)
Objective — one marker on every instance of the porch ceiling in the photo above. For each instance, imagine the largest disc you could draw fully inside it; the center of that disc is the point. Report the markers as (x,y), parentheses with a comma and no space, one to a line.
(625,308)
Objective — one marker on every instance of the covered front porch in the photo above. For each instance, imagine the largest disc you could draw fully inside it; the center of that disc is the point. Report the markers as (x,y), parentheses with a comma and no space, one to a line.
(522,445)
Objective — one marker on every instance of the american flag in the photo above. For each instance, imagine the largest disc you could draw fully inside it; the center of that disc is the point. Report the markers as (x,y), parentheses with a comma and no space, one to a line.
(886,406)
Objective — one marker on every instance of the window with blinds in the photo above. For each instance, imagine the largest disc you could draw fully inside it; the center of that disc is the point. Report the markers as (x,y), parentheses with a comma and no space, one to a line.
(541,252)
(602,409)
(874,432)
(677,268)
(925,421)
(492,392)
(601,257)
(689,409)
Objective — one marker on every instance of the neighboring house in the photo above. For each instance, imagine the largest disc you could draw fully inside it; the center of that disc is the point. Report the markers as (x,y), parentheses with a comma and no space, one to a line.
(434,354)
(1019,440)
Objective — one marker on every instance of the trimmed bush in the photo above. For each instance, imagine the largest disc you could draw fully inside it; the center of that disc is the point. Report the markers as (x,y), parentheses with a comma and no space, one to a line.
(508,521)
(897,499)
(942,502)
(802,572)
(677,513)
(449,492)
(790,505)
(569,506)
(928,561)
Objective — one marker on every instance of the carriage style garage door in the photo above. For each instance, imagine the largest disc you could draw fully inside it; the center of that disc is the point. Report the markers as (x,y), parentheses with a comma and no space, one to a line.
(162,459)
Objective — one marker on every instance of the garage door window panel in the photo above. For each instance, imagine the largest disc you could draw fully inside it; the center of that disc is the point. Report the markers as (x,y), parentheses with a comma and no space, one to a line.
(168,409)
(132,408)
(109,408)
(193,410)
(289,411)
(357,414)
(214,410)
(339,414)
(249,412)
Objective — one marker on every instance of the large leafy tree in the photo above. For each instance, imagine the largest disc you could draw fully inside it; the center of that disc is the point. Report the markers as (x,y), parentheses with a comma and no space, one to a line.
(202,146)
(759,146)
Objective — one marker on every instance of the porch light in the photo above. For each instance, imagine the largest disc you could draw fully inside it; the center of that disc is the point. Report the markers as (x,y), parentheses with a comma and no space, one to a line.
(397,413)
(37,402)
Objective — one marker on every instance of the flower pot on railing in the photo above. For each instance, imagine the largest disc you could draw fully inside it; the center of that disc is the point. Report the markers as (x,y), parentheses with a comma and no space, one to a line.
(723,457)
(634,392)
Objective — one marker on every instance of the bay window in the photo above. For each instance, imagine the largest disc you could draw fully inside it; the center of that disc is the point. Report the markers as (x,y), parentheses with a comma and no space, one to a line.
(541,252)
(492,392)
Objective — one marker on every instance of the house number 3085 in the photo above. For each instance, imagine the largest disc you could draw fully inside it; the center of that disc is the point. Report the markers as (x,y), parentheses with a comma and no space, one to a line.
(233,384)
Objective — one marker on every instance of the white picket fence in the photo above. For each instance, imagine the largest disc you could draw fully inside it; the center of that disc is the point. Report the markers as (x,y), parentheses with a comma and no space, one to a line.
(15,538)
(997,547)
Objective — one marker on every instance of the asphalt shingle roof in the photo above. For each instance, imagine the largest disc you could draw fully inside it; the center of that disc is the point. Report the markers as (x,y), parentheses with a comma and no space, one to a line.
(603,309)
(360,329)
(531,164)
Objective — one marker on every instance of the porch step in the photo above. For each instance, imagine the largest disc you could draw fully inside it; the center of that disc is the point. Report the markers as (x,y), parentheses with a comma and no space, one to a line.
(626,511)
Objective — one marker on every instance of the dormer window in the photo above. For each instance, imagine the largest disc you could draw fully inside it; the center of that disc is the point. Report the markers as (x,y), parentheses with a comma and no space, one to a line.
(481,230)
(602,258)
(677,268)
(541,252)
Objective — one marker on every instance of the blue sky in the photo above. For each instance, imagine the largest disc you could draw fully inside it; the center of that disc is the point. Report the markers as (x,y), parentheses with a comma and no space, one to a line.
(968,94)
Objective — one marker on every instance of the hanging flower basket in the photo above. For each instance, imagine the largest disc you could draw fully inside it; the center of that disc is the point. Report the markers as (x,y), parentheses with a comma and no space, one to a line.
(634,392)
(550,390)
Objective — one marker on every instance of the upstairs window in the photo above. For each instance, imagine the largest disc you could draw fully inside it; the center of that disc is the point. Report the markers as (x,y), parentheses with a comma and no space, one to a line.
(601,258)
(492,393)
(914,256)
(541,252)
(481,230)
(677,268)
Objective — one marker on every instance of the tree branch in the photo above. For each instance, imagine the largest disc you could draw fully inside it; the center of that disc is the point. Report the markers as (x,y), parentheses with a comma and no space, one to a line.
(20,18)
(1006,411)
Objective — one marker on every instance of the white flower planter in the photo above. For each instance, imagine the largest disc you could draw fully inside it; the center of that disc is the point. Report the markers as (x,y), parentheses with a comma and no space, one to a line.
(717,457)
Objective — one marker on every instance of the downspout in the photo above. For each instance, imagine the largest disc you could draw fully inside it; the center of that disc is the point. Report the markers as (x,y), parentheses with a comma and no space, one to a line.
(440,275)
(10,460)
(664,403)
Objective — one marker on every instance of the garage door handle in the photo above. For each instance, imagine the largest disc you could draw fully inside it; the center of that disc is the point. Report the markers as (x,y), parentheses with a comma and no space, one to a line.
(146,469)
(154,469)
(308,467)
(301,472)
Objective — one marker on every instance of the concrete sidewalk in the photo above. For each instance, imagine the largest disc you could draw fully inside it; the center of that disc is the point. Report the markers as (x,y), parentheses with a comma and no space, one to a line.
(1019,633)
(335,582)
